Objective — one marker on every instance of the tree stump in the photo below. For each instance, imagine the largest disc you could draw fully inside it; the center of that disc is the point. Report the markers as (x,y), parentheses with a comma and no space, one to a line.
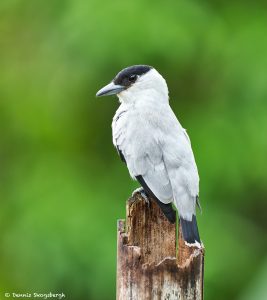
(148,266)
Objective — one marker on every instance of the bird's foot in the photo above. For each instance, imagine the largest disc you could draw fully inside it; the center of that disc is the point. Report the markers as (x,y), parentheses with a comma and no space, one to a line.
(141,191)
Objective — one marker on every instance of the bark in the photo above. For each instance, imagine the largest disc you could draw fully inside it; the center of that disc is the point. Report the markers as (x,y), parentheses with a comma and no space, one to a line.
(148,266)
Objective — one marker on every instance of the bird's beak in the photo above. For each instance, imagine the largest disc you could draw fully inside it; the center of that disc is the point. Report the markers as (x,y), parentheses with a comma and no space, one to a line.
(110,89)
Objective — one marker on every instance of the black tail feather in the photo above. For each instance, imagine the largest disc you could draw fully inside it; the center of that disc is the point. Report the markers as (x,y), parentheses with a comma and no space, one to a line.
(190,230)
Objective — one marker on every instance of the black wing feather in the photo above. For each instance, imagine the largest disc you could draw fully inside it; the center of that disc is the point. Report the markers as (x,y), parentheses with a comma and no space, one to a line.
(121,154)
(167,209)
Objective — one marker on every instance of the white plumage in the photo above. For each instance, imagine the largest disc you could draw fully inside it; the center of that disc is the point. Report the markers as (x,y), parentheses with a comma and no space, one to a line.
(155,145)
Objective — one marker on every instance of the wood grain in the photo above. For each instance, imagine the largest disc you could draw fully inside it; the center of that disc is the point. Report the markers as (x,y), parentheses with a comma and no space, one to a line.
(148,266)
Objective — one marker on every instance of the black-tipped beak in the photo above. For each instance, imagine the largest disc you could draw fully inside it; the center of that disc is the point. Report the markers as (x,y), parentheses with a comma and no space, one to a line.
(110,89)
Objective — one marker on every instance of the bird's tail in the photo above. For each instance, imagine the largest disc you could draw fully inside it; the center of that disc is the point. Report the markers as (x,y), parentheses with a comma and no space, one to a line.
(190,230)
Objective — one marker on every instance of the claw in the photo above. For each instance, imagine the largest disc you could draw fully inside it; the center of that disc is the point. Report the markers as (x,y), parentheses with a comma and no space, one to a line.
(143,194)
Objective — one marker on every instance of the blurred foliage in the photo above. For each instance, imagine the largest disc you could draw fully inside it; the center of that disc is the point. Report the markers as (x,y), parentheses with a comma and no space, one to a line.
(63,186)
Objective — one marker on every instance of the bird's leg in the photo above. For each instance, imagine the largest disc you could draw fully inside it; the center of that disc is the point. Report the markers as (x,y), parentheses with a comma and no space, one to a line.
(143,194)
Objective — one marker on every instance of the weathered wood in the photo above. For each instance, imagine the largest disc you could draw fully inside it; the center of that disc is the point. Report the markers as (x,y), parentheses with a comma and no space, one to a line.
(147,265)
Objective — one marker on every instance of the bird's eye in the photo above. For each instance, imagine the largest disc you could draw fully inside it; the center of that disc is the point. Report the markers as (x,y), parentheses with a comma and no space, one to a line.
(132,78)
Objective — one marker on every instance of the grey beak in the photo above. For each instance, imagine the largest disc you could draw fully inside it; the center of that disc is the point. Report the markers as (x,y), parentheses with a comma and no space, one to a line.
(110,89)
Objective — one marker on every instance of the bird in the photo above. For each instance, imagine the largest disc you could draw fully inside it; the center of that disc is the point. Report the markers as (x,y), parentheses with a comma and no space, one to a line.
(155,147)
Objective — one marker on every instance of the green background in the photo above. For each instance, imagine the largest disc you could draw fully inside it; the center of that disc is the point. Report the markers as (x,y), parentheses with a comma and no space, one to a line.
(62,184)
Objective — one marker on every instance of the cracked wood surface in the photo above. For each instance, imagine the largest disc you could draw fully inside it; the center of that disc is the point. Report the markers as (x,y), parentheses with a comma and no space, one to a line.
(148,267)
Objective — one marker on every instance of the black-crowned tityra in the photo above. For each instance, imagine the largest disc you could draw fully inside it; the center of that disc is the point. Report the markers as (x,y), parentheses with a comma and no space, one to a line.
(154,145)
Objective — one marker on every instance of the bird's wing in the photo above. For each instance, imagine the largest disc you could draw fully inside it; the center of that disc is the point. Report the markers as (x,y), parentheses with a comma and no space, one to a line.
(182,170)
(143,154)
(179,159)
(147,161)
(156,178)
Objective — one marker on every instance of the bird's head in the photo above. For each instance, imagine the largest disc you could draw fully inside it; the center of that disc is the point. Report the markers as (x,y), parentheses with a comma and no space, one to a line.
(135,83)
